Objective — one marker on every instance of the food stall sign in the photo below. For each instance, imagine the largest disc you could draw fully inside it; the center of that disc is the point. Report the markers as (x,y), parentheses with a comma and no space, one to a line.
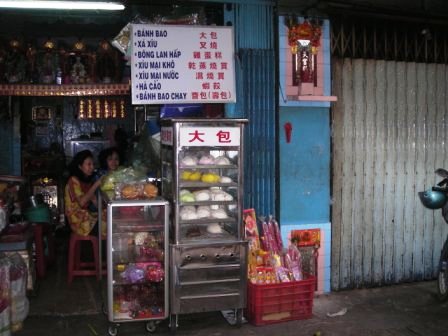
(209,136)
(182,64)
(166,136)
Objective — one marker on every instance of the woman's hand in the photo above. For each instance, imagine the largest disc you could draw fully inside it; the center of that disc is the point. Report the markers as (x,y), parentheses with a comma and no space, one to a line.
(98,182)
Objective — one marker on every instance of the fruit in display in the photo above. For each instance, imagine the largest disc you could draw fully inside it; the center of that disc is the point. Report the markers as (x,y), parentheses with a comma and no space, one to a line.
(185,175)
(195,176)
(210,178)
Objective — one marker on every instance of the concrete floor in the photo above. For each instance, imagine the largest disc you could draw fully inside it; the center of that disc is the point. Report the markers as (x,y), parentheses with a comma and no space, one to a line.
(408,309)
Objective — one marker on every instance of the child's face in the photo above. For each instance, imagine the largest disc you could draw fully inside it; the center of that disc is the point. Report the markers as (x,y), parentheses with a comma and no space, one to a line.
(113,161)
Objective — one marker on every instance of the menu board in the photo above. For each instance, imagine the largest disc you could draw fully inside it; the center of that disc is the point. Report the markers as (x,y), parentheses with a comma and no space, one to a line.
(182,64)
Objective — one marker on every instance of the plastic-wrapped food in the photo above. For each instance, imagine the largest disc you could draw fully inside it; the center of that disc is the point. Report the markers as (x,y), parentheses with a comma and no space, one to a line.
(214,228)
(188,213)
(5,298)
(219,213)
(202,195)
(188,160)
(293,261)
(19,302)
(123,39)
(203,211)
(122,175)
(222,160)
(183,16)
(206,160)
(133,274)
(282,274)
(150,190)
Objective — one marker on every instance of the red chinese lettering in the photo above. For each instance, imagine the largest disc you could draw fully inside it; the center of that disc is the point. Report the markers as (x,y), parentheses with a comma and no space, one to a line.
(203,95)
(192,65)
(203,45)
(197,54)
(223,137)
(206,86)
(218,55)
(223,95)
(223,65)
(217,86)
(220,75)
(196,136)
(213,66)
(213,35)
(194,95)
(166,135)
(213,45)
(199,75)
(215,95)
(202,65)
(210,75)
(207,55)
(203,35)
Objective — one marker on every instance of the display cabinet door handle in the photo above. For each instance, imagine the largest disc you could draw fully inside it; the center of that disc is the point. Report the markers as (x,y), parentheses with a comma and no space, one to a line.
(217,257)
(203,257)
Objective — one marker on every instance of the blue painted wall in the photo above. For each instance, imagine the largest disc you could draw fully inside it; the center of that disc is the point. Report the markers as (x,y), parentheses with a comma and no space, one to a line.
(305,166)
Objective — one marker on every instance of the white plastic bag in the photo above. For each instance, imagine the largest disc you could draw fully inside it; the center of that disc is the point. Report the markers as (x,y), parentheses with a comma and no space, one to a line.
(19,302)
(5,308)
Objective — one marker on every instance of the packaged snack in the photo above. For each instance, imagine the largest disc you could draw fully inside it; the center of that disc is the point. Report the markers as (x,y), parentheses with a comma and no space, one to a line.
(293,262)
(282,274)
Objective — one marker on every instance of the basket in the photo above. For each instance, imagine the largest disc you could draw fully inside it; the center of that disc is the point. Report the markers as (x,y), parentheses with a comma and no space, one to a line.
(268,304)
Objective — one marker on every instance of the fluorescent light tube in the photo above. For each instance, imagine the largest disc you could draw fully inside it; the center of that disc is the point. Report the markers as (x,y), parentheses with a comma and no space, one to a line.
(70,5)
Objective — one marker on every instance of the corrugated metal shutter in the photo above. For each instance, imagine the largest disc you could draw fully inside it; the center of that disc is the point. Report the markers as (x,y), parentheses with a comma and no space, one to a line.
(256,99)
(389,135)
(255,84)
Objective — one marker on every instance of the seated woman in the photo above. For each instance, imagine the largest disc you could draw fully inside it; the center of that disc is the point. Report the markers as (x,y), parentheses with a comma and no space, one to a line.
(80,197)
(109,160)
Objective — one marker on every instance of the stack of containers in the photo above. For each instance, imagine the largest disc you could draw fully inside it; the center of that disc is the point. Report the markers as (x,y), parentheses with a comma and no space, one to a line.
(278,290)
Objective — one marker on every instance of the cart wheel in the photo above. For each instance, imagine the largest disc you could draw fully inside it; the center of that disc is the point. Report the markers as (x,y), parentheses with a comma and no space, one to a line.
(151,326)
(239,317)
(113,330)
(173,323)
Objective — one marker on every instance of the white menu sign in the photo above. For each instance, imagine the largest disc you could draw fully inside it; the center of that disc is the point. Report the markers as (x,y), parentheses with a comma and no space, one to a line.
(209,136)
(182,64)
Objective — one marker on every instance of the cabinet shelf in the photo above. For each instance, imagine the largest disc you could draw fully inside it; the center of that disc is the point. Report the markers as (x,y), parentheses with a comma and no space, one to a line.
(209,203)
(201,167)
(207,221)
(48,90)
(135,227)
(121,282)
(197,184)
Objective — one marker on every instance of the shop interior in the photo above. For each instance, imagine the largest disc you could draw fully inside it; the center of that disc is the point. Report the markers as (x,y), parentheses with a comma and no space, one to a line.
(64,87)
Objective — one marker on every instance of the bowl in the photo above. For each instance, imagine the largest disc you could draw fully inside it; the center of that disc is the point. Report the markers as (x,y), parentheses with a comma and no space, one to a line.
(38,214)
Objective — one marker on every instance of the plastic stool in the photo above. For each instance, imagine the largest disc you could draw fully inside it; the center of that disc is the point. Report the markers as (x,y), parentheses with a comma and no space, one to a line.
(75,266)
(41,231)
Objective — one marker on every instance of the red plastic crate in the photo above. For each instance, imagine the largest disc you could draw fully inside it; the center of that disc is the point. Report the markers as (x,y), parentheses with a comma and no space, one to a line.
(268,304)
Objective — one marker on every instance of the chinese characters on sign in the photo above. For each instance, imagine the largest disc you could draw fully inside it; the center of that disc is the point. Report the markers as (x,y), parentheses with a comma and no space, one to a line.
(209,136)
(182,64)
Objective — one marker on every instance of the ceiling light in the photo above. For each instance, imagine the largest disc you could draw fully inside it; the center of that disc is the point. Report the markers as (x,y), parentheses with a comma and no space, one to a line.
(70,5)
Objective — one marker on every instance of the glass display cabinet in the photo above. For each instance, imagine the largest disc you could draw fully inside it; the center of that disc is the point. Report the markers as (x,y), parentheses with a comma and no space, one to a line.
(202,177)
(137,262)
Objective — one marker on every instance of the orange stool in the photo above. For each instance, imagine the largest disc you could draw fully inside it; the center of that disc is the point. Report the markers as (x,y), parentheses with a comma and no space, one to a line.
(75,266)
(41,231)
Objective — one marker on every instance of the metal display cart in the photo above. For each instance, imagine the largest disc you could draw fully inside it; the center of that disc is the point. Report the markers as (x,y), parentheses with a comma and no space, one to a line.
(137,262)
(202,177)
